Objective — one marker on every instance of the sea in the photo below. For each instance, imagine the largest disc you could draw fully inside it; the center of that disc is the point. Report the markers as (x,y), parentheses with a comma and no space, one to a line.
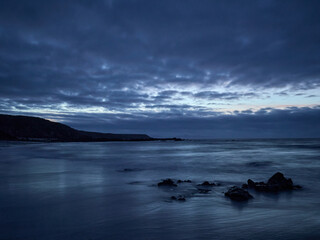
(108,190)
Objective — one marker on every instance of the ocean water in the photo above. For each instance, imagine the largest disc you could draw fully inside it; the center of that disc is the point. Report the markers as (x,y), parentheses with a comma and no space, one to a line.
(109,190)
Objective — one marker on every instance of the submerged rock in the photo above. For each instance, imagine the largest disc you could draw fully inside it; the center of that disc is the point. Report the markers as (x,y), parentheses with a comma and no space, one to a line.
(179,198)
(203,191)
(276,183)
(127,170)
(167,183)
(238,194)
(207,184)
(182,181)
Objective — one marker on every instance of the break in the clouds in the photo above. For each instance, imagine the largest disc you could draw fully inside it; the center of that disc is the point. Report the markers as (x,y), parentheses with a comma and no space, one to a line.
(118,64)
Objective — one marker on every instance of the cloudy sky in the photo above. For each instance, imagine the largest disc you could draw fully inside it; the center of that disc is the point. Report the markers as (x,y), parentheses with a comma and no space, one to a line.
(185,68)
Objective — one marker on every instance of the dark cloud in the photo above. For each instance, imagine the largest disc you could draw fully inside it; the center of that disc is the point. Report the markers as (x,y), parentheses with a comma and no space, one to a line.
(125,56)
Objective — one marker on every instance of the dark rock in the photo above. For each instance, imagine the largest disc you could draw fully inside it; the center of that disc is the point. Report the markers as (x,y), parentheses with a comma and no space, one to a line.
(245,186)
(278,181)
(250,183)
(203,191)
(182,181)
(276,178)
(167,183)
(238,194)
(179,198)
(127,170)
(206,183)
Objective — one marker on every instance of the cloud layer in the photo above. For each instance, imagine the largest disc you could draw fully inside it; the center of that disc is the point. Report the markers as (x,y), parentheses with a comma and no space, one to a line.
(166,61)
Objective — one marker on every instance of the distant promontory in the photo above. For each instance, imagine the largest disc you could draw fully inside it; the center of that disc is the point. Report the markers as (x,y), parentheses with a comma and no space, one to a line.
(25,128)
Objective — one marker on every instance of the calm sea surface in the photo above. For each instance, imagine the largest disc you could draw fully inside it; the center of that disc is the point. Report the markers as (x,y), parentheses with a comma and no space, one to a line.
(108,190)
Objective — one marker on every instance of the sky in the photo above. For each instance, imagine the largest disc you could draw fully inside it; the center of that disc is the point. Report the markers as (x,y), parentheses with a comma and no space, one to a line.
(167,68)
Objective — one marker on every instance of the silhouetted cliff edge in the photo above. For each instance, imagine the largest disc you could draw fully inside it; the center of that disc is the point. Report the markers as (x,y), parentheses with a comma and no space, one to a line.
(23,128)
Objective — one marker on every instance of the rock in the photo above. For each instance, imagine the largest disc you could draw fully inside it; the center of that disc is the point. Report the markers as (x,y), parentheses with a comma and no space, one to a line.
(179,198)
(127,170)
(280,182)
(238,194)
(207,184)
(250,183)
(182,181)
(276,183)
(203,191)
(167,183)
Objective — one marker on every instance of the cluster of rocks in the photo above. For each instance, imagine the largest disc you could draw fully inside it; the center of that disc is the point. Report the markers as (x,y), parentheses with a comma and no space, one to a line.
(171,183)
(275,184)
(204,187)
(207,184)
(167,183)
(182,181)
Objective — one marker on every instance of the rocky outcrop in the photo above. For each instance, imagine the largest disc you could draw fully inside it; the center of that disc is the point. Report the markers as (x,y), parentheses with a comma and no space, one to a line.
(238,194)
(203,191)
(276,183)
(207,184)
(179,198)
(167,183)
(184,181)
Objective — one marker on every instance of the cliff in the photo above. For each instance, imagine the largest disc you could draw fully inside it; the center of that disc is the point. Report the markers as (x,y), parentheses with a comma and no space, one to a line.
(25,128)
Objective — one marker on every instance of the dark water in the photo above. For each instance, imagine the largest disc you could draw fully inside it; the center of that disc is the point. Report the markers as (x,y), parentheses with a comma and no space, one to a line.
(81,191)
